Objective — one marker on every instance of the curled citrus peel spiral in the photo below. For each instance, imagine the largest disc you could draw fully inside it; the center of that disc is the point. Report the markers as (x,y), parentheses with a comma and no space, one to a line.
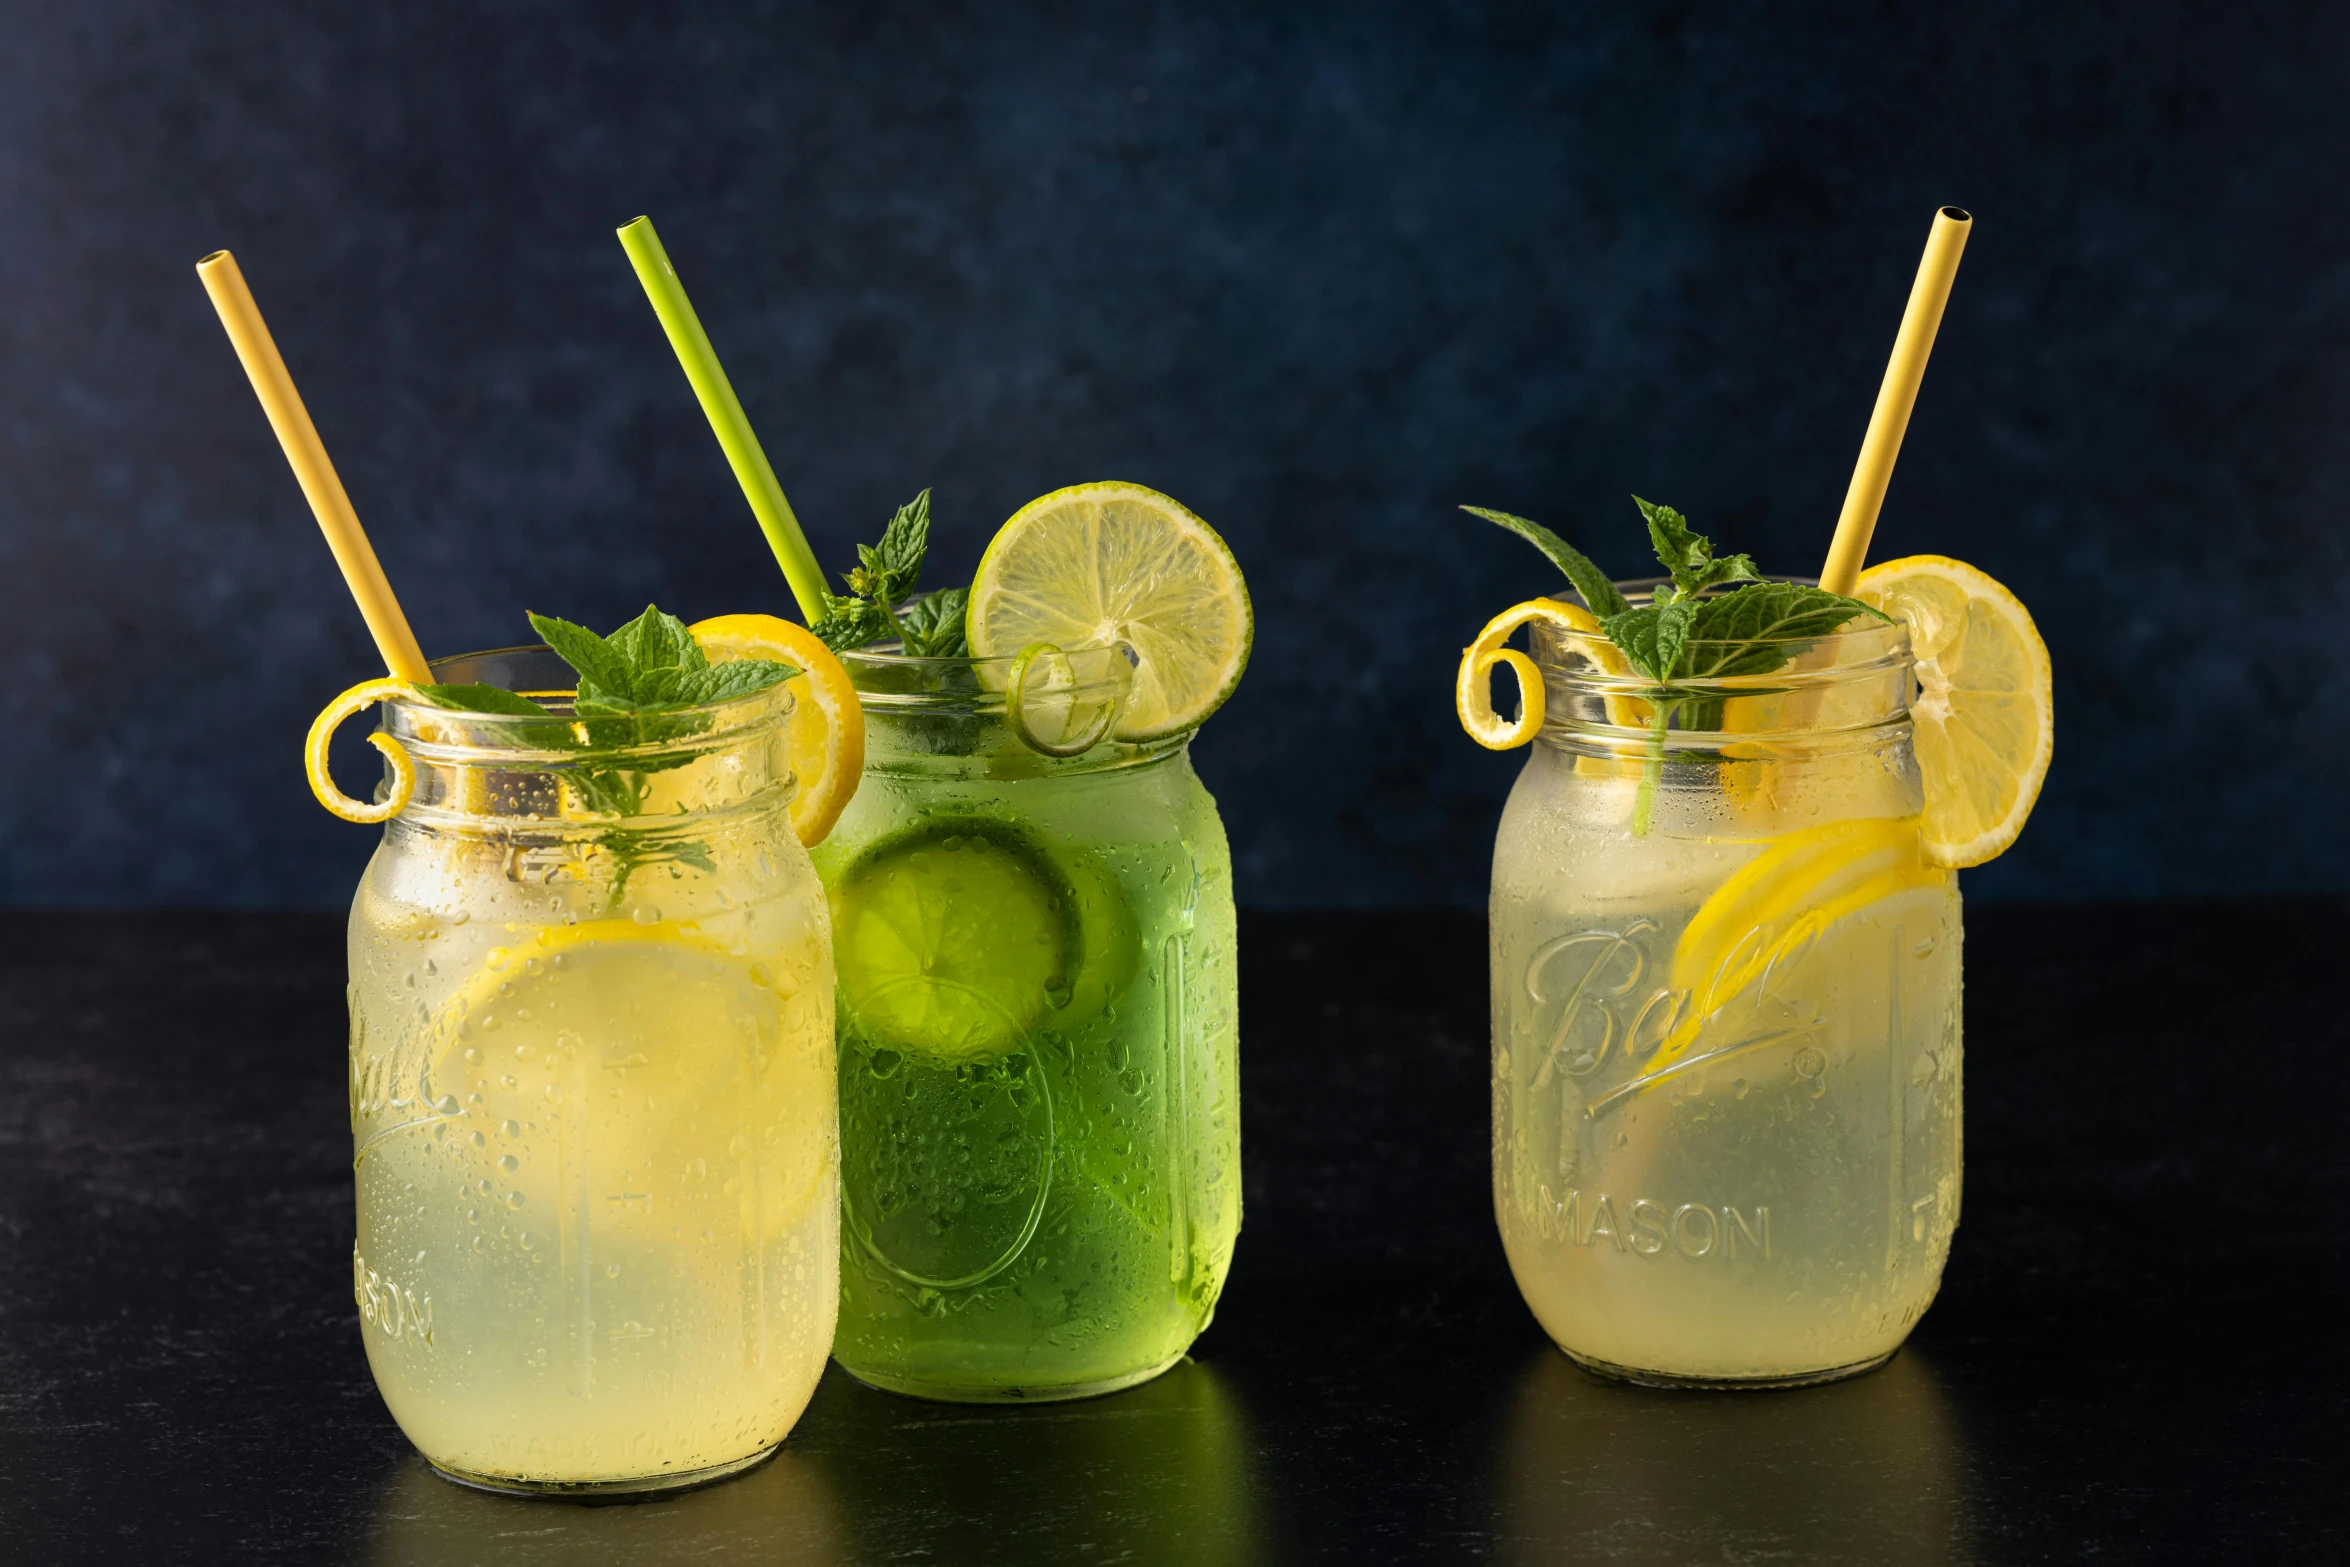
(1473,690)
(1043,669)
(322,730)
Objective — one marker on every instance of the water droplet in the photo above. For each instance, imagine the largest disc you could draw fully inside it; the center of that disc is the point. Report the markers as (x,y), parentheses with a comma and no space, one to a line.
(760,976)
(509,1128)
(1058,990)
(646,914)
(508,1080)
(764,866)
(676,871)
(509,1163)
(446,1104)
(522,1052)
(489,1022)
(409,979)
(481,1243)
(477,1140)
(884,1063)
(514,1199)
(611,1270)
(527,1241)
(473,1216)
(496,959)
(461,916)
(562,960)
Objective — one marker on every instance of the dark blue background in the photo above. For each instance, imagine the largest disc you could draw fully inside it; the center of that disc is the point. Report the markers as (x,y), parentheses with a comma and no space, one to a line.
(1321,273)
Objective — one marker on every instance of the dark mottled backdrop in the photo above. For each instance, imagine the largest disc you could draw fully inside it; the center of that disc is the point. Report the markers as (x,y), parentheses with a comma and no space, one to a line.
(1320,273)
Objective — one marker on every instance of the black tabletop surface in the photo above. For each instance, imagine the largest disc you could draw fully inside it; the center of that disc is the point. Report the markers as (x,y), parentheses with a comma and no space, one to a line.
(2138,1352)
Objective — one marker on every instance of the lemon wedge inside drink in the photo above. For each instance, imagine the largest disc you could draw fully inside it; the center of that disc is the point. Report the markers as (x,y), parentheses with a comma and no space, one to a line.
(1098,564)
(1985,716)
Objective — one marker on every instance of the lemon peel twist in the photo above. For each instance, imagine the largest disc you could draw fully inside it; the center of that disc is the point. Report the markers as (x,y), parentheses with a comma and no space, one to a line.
(1473,689)
(322,729)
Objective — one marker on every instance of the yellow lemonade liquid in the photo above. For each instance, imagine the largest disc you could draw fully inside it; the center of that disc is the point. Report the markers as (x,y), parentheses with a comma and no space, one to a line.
(596,1165)
(1726,1065)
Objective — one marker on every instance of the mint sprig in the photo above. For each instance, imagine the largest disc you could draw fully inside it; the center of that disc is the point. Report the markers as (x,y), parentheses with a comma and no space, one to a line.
(881,602)
(1689,630)
(643,685)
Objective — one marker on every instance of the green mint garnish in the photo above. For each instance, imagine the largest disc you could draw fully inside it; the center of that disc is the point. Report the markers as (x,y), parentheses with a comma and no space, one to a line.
(881,602)
(1688,631)
(636,687)
(932,625)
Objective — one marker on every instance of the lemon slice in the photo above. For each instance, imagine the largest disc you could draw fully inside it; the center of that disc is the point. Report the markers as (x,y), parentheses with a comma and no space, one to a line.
(1985,717)
(826,730)
(651,1038)
(1096,564)
(1778,903)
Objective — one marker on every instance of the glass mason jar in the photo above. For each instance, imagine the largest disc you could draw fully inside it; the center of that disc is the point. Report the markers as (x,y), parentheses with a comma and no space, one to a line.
(592,1093)
(1725,990)
(1040,1136)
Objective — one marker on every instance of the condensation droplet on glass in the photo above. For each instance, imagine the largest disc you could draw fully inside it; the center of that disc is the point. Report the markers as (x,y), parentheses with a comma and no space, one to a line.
(646,914)
(461,916)
(764,866)
(760,976)
(611,1270)
(496,959)
(509,1163)
(514,1199)
(478,1140)
(508,1080)
(527,1241)
(509,1128)
(446,1104)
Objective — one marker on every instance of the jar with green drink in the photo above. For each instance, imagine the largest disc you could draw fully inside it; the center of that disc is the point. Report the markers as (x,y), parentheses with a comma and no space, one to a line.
(1037,1006)
(1032,901)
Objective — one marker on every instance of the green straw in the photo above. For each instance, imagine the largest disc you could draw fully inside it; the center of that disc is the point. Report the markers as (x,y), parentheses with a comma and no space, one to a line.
(725,414)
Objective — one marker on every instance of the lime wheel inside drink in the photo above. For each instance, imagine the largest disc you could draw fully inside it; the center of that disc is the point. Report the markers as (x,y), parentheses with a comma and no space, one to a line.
(954,938)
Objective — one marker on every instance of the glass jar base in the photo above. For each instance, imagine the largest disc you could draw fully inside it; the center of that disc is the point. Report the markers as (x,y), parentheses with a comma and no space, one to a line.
(914,1387)
(1667,1379)
(639,1488)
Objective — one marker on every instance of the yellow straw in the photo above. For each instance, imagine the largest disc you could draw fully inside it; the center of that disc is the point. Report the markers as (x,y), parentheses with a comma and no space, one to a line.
(1895,399)
(312,470)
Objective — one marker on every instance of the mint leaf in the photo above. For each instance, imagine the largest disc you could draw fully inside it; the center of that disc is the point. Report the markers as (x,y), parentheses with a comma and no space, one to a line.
(1589,580)
(932,625)
(658,649)
(482,699)
(1652,637)
(595,661)
(1689,556)
(1758,628)
(849,623)
(888,571)
(731,682)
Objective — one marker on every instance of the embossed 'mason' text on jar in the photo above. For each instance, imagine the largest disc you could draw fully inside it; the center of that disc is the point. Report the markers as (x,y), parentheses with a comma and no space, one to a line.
(592,1093)
(1726,1033)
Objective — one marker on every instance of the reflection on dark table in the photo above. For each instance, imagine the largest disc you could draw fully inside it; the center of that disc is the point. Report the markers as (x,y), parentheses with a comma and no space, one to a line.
(2136,1351)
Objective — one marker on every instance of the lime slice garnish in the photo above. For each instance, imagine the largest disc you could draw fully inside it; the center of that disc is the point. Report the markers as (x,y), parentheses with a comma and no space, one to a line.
(952,939)
(1098,564)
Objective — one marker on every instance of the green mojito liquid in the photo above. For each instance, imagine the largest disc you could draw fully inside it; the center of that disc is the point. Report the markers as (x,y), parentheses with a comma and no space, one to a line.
(1039,1085)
